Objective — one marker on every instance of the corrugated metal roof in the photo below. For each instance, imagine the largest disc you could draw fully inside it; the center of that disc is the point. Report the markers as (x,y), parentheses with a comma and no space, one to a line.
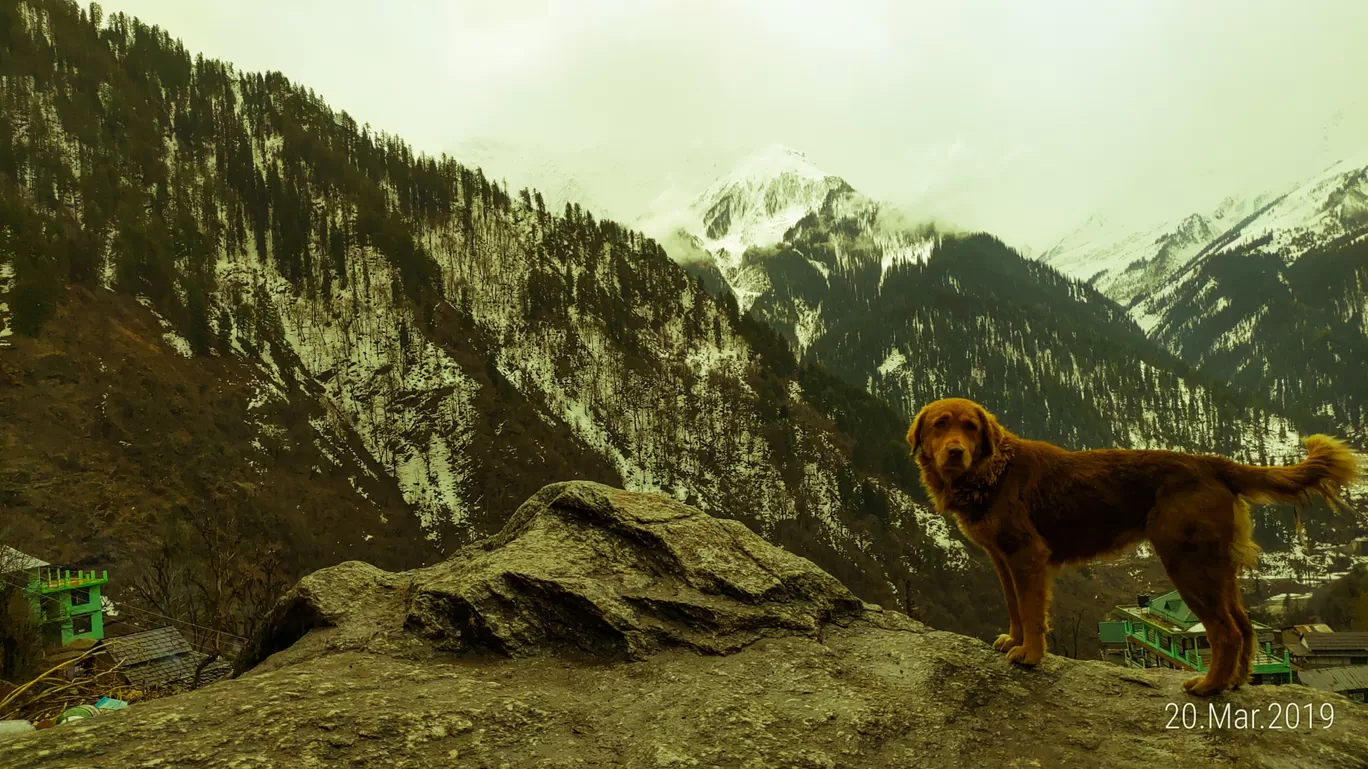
(138,648)
(13,560)
(1335,679)
(1334,642)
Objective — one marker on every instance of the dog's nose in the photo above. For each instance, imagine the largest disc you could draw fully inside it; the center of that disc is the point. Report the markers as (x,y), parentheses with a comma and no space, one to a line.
(955,452)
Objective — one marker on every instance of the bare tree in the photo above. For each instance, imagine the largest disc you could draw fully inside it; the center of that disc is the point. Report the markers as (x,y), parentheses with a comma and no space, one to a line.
(1065,641)
(211,579)
(21,637)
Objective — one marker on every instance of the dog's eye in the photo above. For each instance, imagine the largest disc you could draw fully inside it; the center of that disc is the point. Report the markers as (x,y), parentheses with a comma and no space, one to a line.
(971,426)
(942,422)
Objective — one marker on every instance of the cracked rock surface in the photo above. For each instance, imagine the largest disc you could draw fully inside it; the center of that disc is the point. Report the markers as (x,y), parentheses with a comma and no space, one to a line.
(612,629)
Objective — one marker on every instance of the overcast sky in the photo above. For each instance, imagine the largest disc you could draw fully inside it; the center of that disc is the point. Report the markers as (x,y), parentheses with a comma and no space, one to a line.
(1019,117)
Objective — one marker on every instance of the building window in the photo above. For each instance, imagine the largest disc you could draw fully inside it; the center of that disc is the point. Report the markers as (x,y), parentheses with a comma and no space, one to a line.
(80,596)
(81,624)
(1358,660)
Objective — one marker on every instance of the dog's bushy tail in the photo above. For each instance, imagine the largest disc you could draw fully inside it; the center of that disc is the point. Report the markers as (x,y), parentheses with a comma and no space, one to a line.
(1329,467)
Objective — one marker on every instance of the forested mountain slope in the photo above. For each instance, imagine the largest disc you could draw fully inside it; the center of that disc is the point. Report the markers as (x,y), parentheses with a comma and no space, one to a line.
(1266,293)
(911,314)
(359,334)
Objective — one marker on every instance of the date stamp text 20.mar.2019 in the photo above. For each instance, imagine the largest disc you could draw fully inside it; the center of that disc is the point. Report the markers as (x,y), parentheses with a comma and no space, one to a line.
(1288,716)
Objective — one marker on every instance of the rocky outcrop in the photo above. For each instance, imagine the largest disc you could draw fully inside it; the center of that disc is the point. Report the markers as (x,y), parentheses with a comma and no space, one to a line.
(581,569)
(607,628)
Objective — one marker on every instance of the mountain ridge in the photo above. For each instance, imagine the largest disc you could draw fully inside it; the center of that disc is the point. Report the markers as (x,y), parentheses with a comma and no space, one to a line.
(423,340)
(910,314)
(1244,298)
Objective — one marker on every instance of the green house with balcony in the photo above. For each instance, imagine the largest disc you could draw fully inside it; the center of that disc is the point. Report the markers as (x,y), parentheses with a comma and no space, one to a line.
(69,604)
(72,604)
(1164,632)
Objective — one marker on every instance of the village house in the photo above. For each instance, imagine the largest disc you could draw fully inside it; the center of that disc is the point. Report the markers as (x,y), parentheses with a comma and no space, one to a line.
(1164,632)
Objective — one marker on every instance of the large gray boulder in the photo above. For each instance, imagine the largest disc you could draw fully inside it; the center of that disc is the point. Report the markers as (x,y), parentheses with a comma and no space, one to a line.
(610,629)
(581,569)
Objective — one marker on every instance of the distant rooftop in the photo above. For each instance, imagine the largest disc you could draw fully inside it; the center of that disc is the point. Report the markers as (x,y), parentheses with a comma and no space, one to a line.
(1314,627)
(13,560)
(1170,613)
(1171,605)
(137,648)
(1323,643)
(1335,679)
(160,657)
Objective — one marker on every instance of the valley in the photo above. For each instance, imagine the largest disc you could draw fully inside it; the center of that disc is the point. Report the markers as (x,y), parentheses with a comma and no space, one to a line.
(224,301)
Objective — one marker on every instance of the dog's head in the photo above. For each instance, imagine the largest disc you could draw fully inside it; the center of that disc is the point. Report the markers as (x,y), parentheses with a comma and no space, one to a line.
(955,435)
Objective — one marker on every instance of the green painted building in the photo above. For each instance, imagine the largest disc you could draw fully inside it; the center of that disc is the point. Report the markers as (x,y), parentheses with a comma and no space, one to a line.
(72,604)
(1163,632)
(69,604)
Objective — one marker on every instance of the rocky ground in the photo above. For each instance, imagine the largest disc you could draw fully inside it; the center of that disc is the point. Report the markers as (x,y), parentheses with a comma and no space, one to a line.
(609,629)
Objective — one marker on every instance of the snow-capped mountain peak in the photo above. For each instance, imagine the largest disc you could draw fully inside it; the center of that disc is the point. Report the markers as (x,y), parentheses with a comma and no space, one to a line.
(767,193)
(1326,207)
(1126,263)
(769,163)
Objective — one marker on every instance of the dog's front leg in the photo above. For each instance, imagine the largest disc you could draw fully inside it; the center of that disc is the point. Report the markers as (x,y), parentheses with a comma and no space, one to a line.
(1032,575)
(1013,637)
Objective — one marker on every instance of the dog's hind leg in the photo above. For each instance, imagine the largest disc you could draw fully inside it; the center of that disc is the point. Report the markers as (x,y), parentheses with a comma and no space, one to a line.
(1013,637)
(1211,606)
(1245,554)
(1192,535)
(1249,641)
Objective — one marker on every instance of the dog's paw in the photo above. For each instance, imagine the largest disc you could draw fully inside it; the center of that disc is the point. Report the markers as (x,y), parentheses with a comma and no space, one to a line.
(1005,642)
(1020,655)
(1199,686)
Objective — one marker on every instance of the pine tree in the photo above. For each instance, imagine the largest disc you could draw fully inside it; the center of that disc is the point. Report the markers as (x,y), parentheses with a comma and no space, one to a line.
(224,333)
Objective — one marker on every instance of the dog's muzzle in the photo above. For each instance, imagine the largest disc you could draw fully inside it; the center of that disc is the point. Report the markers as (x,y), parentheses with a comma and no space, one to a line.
(955,459)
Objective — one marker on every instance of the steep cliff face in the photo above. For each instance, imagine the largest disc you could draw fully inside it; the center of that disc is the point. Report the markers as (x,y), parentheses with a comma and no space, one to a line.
(439,345)
(607,628)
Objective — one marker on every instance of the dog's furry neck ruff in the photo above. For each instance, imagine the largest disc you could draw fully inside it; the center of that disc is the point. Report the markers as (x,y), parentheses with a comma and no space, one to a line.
(974,488)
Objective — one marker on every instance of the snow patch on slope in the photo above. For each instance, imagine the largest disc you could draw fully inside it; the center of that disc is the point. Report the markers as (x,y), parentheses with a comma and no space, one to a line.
(410,404)
(809,325)
(903,248)
(895,361)
(6,285)
(169,335)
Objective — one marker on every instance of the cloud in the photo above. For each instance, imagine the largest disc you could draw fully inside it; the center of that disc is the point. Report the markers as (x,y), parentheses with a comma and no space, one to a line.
(1019,116)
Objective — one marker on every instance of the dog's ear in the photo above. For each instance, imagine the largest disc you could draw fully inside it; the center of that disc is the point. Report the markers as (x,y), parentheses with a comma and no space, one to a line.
(914,432)
(992,432)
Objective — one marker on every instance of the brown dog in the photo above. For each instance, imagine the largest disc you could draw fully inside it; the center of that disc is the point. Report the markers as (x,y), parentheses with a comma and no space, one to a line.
(1034,507)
